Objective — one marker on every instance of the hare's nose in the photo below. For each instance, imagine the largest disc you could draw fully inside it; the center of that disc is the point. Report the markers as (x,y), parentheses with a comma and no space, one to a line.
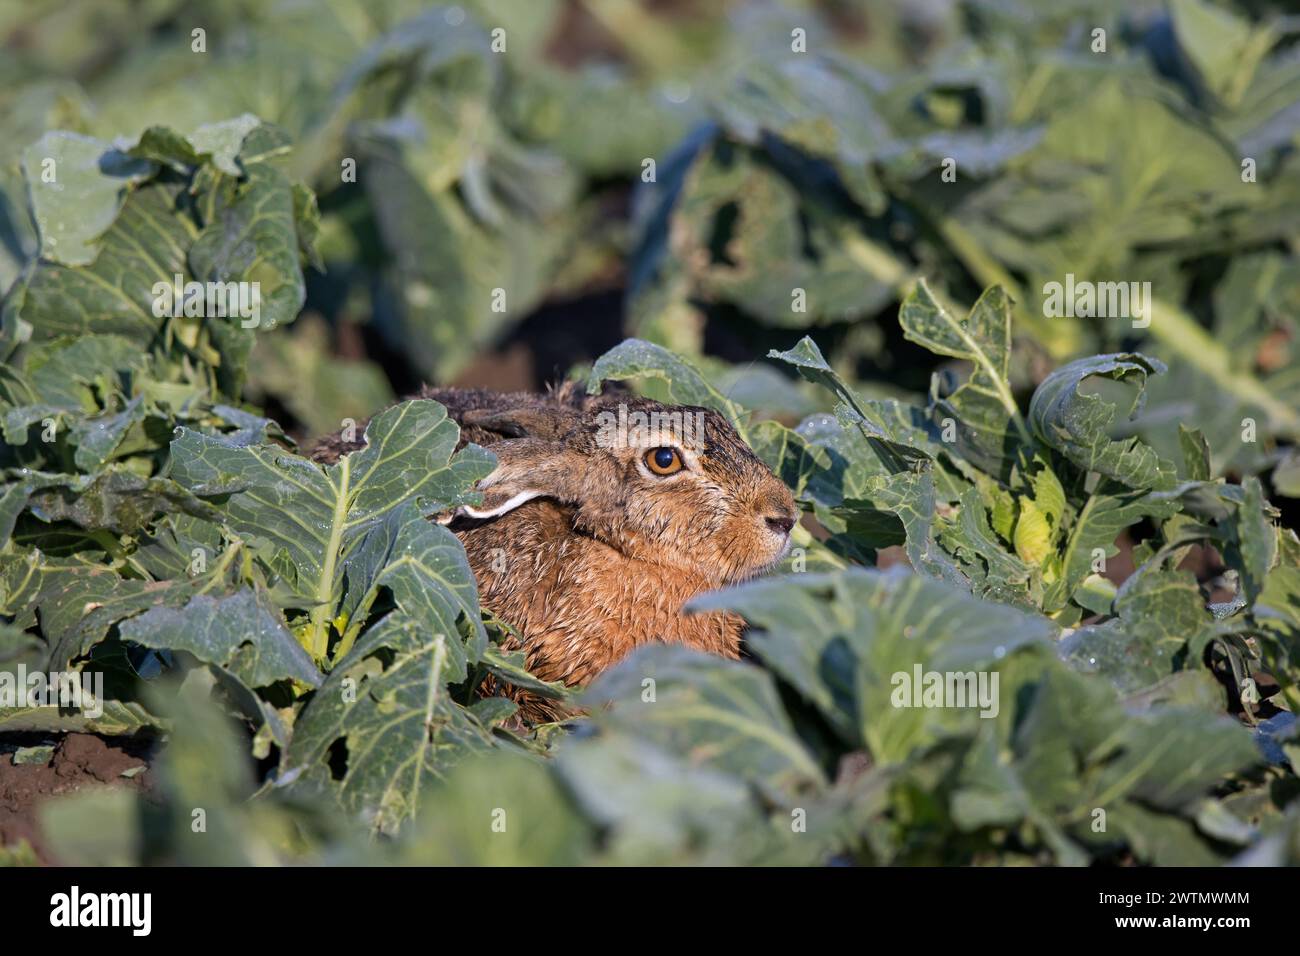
(781,524)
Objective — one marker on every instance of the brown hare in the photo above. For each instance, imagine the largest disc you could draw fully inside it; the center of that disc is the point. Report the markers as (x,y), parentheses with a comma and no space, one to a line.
(605,514)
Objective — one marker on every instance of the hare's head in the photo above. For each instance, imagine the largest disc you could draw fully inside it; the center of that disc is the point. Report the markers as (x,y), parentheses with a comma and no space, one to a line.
(670,484)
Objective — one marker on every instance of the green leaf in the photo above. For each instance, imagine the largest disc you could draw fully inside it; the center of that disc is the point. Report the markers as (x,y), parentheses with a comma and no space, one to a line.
(869,470)
(1089,205)
(19,647)
(298,368)
(725,225)
(842,639)
(1077,424)
(94,827)
(308,518)
(421,567)
(1162,839)
(1108,511)
(634,358)
(97,439)
(911,496)
(658,806)
(1256,540)
(385,724)
(77,603)
(119,719)
(114,499)
(1173,756)
(1286,477)
(786,452)
(254,233)
(990,426)
(509,667)
(1278,612)
(206,766)
(383,727)
(1075,752)
(888,432)
(973,541)
(1033,534)
(1049,496)
(817,103)
(77,186)
(222,141)
(1196,453)
(1159,614)
(145,244)
(448,194)
(1216,378)
(858,497)
(1223,47)
(994,791)
(812,365)
(186,213)
(238,632)
(527,815)
(725,712)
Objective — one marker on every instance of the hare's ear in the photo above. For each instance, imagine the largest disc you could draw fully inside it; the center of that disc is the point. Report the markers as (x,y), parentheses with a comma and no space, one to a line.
(526,421)
(528,468)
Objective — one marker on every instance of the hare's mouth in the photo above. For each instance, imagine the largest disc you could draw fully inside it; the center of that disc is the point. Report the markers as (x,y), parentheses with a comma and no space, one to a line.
(758,570)
(782,542)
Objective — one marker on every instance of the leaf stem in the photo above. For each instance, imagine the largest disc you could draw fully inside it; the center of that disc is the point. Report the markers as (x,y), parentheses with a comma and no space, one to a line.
(322,613)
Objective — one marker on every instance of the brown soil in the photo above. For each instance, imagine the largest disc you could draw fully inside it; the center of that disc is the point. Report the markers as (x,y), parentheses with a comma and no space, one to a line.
(79,760)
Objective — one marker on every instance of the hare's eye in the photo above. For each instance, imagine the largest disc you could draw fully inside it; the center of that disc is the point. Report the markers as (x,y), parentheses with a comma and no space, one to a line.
(663,461)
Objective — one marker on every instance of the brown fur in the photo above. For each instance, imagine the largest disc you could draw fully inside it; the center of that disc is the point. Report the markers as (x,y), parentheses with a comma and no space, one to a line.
(603,558)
